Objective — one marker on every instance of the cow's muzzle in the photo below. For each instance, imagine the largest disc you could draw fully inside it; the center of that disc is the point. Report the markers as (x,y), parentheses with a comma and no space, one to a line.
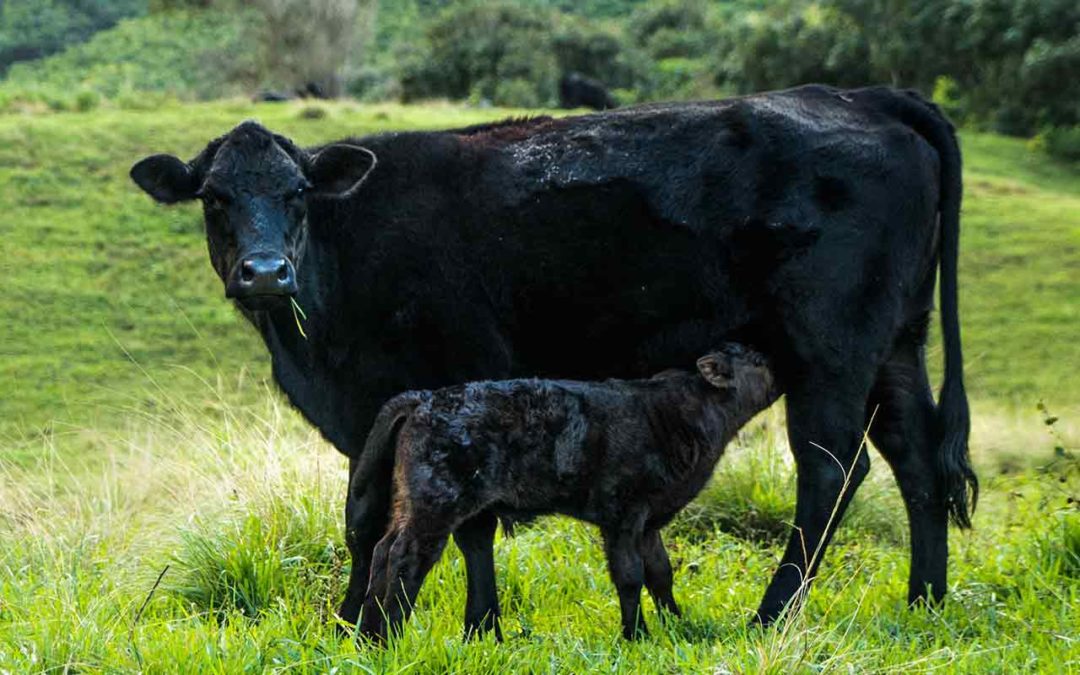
(261,280)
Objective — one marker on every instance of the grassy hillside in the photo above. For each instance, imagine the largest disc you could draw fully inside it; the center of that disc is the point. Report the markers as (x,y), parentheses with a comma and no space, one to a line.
(109,295)
(141,60)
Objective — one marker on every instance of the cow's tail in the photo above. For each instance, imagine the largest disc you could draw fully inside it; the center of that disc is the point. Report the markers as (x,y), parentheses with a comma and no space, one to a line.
(955,476)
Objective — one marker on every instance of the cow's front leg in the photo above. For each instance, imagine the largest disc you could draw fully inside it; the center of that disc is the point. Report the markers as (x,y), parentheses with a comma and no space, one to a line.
(825,429)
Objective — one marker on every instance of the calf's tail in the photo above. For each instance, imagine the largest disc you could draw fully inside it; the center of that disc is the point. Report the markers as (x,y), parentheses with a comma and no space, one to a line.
(377,459)
(955,476)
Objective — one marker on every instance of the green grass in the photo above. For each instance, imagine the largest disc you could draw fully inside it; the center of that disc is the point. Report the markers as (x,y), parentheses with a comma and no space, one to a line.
(138,430)
(241,514)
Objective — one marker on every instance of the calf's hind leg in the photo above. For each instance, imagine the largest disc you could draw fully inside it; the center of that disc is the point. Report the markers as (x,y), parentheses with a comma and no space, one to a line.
(409,559)
(371,619)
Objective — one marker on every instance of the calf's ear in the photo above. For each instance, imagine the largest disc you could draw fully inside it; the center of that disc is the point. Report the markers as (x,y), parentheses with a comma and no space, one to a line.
(717,370)
(340,168)
(165,178)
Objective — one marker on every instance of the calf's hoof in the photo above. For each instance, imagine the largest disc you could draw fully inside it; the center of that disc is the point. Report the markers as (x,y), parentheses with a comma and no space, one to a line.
(375,637)
(479,630)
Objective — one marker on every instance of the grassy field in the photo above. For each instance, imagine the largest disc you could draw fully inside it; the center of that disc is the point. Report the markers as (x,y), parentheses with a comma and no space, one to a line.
(139,433)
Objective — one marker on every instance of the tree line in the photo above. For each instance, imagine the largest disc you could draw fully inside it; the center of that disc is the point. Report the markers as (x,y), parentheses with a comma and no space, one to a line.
(1006,65)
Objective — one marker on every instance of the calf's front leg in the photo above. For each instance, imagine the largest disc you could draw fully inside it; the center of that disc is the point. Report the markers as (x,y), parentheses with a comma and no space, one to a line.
(658,575)
(476,539)
(628,574)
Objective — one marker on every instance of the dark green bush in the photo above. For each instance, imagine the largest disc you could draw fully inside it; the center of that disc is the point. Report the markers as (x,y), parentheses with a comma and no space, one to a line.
(792,44)
(672,28)
(1063,143)
(599,51)
(1012,64)
(478,50)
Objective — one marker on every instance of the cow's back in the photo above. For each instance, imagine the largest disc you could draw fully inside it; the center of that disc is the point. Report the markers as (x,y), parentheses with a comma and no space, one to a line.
(629,241)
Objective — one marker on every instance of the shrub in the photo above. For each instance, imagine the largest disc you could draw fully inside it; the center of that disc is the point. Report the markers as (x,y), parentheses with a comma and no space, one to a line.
(947,95)
(87,100)
(473,47)
(308,41)
(672,28)
(1062,143)
(600,51)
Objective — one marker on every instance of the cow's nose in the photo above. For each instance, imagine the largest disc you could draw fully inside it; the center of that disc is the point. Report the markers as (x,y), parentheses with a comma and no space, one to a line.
(262,275)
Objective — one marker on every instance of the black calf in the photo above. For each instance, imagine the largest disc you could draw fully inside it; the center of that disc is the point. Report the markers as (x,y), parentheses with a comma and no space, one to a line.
(625,455)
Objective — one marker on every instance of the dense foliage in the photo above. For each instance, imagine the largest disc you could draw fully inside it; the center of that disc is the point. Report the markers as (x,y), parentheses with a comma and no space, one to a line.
(1005,65)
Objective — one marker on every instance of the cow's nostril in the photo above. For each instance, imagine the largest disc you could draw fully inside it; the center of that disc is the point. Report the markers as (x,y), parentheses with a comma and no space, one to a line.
(247,271)
(283,272)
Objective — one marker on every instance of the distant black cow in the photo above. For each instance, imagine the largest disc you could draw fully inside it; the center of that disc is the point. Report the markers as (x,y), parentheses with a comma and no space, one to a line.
(626,455)
(617,244)
(271,96)
(308,90)
(578,91)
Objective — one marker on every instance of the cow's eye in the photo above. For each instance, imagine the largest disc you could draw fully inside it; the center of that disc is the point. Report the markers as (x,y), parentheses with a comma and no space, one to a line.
(214,200)
(298,193)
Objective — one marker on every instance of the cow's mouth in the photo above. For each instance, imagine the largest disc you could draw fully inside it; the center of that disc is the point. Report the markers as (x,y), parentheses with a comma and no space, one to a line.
(264,302)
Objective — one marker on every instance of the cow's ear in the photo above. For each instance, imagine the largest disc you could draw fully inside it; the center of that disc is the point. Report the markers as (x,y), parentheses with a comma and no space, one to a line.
(717,370)
(341,168)
(165,178)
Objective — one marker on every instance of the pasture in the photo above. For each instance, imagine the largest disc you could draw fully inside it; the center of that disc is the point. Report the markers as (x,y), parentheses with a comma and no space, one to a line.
(139,433)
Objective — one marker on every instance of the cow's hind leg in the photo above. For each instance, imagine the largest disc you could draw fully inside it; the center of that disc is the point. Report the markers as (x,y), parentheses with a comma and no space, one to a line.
(658,574)
(476,539)
(904,431)
(367,507)
(825,427)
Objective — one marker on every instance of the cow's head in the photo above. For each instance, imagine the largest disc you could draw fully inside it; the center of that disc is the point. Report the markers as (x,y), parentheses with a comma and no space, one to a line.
(255,187)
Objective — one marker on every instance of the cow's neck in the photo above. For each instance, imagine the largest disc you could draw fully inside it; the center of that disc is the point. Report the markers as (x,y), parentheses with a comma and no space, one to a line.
(295,355)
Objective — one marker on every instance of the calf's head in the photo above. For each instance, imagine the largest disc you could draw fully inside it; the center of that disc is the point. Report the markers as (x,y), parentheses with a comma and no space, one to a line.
(743,372)
(255,186)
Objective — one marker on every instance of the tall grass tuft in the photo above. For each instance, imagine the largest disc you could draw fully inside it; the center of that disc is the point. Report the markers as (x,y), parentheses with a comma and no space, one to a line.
(247,562)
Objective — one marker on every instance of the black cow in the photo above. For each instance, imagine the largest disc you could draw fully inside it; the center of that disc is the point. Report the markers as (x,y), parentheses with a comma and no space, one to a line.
(618,244)
(578,91)
(626,455)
